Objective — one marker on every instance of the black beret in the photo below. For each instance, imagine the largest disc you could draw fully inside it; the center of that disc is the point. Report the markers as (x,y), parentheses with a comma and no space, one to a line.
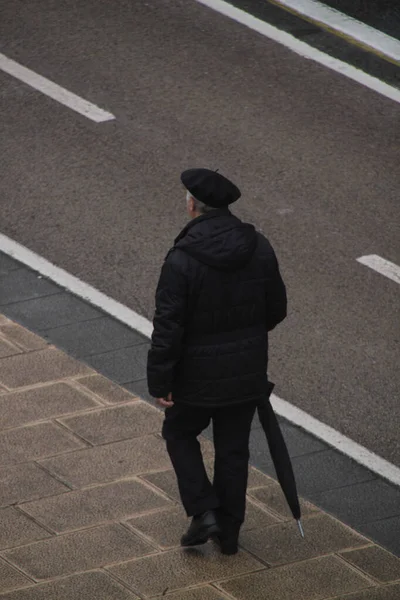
(210,187)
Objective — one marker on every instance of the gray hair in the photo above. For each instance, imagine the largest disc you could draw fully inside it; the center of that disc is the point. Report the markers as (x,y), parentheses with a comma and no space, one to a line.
(199,207)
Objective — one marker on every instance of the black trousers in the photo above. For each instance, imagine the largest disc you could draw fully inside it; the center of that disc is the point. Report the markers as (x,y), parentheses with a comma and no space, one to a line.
(231,431)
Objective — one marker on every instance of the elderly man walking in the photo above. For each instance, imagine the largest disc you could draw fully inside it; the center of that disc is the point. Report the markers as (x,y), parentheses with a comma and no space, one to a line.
(220,292)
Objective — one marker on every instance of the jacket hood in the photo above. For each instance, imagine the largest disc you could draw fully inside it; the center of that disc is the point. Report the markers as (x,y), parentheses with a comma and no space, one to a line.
(218,239)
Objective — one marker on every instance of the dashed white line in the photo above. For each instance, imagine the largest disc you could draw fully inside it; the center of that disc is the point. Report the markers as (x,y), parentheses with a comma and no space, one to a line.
(351,28)
(129,317)
(382,266)
(302,48)
(54,91)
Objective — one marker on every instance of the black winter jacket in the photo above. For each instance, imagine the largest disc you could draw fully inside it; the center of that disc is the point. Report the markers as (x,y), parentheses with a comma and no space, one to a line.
(219,293)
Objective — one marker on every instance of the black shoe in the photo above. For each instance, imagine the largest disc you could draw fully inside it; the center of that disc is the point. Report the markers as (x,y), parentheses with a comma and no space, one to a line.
(228,544)
(228,540)
(201,529)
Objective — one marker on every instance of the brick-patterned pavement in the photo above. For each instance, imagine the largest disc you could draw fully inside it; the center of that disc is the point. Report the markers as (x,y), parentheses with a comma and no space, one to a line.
(90,510)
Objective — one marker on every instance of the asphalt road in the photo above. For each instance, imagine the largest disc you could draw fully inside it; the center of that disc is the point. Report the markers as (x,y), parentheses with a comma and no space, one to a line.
(315,154)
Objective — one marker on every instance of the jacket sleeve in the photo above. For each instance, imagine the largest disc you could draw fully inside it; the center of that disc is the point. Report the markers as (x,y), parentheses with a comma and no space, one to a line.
(276,299)
(169,319)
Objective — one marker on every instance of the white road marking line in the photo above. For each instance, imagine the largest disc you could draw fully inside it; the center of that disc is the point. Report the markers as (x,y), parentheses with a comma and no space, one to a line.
(129,317)
(302,48)
(75,285)
(350,27)
(54,91)
(382,266)
(345,445)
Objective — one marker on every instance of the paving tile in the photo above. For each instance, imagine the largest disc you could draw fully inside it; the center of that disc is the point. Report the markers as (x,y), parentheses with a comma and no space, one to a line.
(22,284)
(272,497)
(126,364)
(107,390)
(387,592)
(386,532)
(25,482)
(327,470)
(299,442)
(163,528)
(116,423)
(178,569)
(166,527)
(52,311)
(86,586)
(22,336)
(35,441)
(208,432)
(78,551)
(361,503)
(40,403)
(94,337)
(282,543)
(7,349)
(375,562)
(257,517)
(258,479)
(37,367)
(314,472)
(310,580)
(165,481)
(75,510)
(8,264)
(10,578)
(207,450)
(110,462)
(256,422)
(205,592)
(17,529)
(139,388)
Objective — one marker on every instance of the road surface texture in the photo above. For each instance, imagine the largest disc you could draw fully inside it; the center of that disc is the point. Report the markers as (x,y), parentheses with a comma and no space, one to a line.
(315,154)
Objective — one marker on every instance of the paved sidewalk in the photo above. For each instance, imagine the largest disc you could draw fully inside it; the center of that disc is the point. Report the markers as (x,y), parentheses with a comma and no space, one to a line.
(89,504)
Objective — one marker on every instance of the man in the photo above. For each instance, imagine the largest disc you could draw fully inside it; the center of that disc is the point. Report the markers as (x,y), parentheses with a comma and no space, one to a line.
(219,293)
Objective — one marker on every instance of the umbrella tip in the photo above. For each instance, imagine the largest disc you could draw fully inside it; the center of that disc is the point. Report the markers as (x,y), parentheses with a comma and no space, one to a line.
(300,526)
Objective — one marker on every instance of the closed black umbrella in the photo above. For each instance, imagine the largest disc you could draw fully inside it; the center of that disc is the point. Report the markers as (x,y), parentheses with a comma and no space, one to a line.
(280,455)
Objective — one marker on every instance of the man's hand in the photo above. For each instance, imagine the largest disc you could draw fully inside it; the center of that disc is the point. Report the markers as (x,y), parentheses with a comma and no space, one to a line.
(165,402)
